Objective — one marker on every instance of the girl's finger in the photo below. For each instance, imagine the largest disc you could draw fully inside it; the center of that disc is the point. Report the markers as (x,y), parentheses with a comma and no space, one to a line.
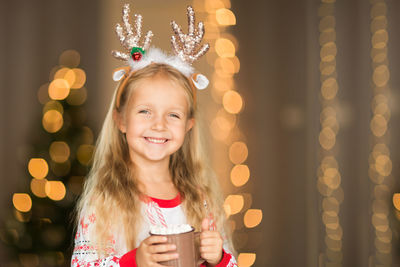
(164,257)
(209,234)
(161,248)
(210,242)
(205,225)
(155,239)
(209,249)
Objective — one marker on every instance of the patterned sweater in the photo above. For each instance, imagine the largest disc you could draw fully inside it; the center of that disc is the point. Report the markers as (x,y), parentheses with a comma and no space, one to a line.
(155,212)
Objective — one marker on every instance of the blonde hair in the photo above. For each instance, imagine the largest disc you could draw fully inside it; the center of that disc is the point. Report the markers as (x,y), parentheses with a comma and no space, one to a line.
(111,190)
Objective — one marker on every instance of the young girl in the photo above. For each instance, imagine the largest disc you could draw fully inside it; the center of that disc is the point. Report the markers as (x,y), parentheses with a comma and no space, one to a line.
(148,166)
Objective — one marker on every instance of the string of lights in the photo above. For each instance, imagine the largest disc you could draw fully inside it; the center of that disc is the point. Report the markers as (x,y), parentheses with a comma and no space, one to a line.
(380,163)
(329,177)
(224,127)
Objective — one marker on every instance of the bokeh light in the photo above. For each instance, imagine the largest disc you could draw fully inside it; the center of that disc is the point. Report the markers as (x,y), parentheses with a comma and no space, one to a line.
(378,125)
(86,136)
(70,77)
(80,78)
(59,89)
(59,151)
(232,102)
(381,75)
(329,88)
(70,58)
(84,154)
(252,218)
(225,17)
(246,259)
(22,202)
(233,204)
(225,47)
(238,152)
(38,168)
(38,187)
(396,201)
(55,190)
(52,121)
(327,138)
(55,105)
(43,93)
(240,174)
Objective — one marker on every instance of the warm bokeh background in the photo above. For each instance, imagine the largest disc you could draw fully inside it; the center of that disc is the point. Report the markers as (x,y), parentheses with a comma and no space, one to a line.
(302,120)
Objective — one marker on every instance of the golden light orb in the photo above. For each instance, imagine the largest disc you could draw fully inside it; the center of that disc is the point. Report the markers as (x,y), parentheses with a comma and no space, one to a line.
(225,47)
(328,52)
(59,151)
(240,174)
(246,259)
(381,75)
(84,153)
(70,58)
(80,78)
(378,125)
(52,121)
(252,218)
(55,105)
(396,201)
(225,17)
(232,102)
(38,168)
(59,89)
(238,152)
(38,187)
(327,138)
(22,202)
(235,203)
(55,190)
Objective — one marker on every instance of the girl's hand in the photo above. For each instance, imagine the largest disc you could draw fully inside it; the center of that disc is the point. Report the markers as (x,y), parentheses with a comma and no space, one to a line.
(148,253)
(210,244)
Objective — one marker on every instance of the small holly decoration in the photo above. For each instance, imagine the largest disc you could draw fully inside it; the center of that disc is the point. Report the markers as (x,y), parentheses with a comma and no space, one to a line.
(137,53)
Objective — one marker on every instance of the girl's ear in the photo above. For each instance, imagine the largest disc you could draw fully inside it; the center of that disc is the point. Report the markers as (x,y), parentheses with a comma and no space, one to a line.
(189,124)
(119,121)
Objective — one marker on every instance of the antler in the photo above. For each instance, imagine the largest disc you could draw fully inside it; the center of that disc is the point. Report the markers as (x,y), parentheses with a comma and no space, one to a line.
(128,39)
(186,45)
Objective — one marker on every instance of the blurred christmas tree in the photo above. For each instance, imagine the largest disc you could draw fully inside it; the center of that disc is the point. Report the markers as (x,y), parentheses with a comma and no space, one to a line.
(40,232)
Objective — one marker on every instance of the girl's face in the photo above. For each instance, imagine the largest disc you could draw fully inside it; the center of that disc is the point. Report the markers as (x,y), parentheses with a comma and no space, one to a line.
(156,120)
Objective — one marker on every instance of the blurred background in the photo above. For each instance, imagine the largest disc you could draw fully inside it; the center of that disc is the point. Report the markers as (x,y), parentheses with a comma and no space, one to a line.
(302,118)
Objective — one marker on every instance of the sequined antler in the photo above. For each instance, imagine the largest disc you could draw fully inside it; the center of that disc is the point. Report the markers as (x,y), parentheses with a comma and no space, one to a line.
(128,39)
(186,45)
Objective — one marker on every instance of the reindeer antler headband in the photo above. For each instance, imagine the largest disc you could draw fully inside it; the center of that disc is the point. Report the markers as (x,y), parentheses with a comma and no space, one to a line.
(186,49)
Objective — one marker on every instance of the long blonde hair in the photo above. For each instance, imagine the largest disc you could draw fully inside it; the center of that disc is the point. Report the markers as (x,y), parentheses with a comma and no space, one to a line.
(111,190)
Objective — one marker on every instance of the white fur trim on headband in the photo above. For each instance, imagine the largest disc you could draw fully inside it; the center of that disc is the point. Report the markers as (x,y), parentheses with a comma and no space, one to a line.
(156,55)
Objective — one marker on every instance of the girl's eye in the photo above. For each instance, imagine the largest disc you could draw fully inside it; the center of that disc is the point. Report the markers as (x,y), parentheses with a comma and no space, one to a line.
(144,111)
(174,115)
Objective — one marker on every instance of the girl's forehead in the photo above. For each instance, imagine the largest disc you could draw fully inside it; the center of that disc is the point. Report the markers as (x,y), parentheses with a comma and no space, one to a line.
(159,90)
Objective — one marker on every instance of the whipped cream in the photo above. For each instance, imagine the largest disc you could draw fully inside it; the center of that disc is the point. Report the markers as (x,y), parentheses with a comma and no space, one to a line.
(170,230)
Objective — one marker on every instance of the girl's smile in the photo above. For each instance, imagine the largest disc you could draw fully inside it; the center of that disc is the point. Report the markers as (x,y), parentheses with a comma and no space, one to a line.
(156,140)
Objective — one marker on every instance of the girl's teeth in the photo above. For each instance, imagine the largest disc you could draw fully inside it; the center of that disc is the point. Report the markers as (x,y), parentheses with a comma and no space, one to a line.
(158,141)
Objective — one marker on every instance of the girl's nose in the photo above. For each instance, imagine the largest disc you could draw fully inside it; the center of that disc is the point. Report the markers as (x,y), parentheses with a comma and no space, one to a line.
(159,123)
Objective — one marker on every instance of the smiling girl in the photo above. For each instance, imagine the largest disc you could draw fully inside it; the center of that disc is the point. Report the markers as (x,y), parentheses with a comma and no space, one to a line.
(149,166)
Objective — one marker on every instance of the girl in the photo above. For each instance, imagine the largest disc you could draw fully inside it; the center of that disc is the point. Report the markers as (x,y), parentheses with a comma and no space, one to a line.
(148,166)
